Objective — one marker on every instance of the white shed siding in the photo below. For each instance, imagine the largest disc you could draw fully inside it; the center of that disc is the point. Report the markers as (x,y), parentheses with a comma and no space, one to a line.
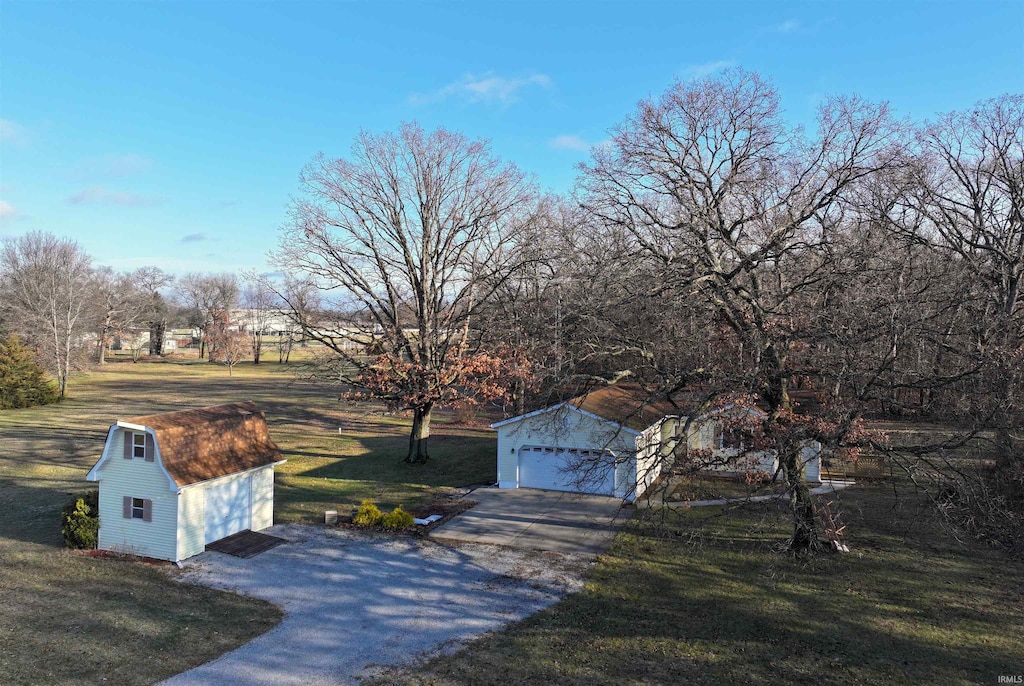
(263,498)
(136,479)
(191,522)
(228,507)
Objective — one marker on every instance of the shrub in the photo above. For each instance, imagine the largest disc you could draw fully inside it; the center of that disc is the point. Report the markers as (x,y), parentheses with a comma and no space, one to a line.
(81,521)
(397,519)
(368,514)
(22,381)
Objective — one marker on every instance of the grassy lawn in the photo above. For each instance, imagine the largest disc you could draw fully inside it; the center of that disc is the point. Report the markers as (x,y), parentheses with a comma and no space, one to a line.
(908,605)
(67,618)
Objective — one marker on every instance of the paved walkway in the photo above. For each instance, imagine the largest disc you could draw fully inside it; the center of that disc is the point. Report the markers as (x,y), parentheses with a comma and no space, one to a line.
(533,519)
(825,487)
(353,602)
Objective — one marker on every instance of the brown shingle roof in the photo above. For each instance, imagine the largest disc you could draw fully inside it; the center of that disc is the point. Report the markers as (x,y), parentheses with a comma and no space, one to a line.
(628,404)
(197,445)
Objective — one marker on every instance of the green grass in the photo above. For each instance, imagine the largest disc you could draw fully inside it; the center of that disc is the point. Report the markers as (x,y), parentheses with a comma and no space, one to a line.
(67,618)
(908,605)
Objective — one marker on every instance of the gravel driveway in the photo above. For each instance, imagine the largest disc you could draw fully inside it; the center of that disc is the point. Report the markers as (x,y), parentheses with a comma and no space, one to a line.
(354,602)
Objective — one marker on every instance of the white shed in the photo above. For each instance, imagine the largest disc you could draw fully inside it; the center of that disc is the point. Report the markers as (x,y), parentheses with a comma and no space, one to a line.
(616,441)
(171,483)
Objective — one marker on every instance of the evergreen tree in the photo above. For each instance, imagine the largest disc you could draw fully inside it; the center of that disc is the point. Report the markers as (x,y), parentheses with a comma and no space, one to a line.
(23,382)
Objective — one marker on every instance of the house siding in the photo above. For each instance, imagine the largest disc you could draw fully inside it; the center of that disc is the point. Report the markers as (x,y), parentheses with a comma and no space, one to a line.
(136,478)
(653,447)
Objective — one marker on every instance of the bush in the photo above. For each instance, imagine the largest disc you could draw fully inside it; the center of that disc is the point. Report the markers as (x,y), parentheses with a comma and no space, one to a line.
(22,381)
(81,521)
(368,514)
(397,519)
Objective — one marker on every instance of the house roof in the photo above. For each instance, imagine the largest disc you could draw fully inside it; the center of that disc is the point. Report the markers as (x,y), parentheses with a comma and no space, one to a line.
(198,445)
(628,404)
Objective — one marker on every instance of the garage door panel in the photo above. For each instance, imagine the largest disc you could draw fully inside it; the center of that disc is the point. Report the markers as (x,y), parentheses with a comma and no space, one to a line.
(227,509)
(553,469)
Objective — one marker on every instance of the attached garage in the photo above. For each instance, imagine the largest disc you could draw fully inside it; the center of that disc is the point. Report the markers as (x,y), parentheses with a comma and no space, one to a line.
(171,483)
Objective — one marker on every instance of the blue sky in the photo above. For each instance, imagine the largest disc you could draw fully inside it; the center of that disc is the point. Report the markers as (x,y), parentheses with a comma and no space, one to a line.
(173,133)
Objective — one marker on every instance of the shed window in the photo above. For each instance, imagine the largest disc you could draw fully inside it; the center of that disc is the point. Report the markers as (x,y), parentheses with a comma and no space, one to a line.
(139,446)
(138,508)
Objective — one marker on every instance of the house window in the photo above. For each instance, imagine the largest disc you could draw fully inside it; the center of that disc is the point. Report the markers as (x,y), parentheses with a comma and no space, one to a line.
(138,508)
(730,437)
(139,446)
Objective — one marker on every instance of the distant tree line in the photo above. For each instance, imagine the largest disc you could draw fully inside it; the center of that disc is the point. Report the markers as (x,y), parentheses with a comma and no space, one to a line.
(69,313)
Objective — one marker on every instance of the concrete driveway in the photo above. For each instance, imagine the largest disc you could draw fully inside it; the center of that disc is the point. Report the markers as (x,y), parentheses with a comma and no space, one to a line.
(533,519)
(354,603)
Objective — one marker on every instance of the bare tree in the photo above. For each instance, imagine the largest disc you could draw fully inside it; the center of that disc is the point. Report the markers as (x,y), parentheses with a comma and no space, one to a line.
(737,209)
(410,235)
(965,199)
(259,307)
(121,305)
(231,344)
(47,285)
(150,281)
(211,298)
(300,306)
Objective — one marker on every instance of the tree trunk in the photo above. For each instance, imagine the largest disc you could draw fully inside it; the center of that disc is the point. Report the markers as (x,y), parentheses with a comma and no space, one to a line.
(519,396)
(805,536)
(156,338)
(420,434)
(805,533)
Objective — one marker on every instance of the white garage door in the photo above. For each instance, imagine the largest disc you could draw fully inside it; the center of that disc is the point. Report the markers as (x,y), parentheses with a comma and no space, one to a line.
(550,468)
(227,509)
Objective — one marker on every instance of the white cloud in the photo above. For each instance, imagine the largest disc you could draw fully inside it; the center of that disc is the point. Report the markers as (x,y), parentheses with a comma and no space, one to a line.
(7,210)
(13,132)
(114,165)
(788,26)
(699,71)
(569,142)
(99,195)
(488,88)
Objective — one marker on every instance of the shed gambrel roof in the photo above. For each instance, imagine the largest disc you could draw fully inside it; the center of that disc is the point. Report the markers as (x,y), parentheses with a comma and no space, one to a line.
(203,444)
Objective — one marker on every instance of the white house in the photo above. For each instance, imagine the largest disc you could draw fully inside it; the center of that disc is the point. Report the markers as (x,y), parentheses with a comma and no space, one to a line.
(615,441)
(171,483)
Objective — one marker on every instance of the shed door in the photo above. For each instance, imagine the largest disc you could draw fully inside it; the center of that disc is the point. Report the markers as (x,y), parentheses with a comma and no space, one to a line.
(228,509)
(546,467)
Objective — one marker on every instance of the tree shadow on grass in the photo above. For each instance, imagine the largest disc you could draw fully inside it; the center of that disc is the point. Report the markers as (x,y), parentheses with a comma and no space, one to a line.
(31,511)
(455,461)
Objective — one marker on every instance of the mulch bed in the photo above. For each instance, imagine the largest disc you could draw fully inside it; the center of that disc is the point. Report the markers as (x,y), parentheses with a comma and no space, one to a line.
(246,544)
(447,508)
